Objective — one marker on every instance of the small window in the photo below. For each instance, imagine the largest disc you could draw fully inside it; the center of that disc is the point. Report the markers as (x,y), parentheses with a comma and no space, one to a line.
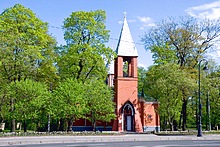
(126,67)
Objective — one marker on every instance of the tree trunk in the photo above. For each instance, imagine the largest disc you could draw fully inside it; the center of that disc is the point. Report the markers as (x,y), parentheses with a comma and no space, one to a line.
(165,123)
(93,126)
(57,125)
(13,125)
(175,127)
(25,126)
(180,121)
(13,120)
(70,123)
(171,126)
(61,127)
(184,106)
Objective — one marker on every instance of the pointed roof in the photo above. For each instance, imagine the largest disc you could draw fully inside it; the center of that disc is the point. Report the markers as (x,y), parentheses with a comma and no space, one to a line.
(126,45)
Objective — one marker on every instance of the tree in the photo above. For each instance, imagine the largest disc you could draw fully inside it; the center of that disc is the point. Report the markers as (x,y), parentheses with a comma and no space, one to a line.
(211,95)
(141,79)
(4,101)
(85,54)
(24,42)
(165,83)
(100,103)
(25,47)
(185,37)
(163,54)
(69,101)
(182,41)
(29,98)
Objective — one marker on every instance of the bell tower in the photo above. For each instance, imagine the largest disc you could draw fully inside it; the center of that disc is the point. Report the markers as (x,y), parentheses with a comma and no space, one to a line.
(126,83)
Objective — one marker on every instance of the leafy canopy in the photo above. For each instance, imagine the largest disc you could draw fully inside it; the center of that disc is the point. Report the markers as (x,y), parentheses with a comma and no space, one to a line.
(25,45)
(85,55)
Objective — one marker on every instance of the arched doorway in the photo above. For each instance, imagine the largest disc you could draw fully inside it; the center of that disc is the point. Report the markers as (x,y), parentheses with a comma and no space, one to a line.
(128,117)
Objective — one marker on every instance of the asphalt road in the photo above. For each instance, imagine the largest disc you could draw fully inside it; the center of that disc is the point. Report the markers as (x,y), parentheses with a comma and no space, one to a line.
(167,143)
(128,140)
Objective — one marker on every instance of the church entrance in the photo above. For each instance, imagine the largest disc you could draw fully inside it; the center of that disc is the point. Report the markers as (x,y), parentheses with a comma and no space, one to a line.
(128,117)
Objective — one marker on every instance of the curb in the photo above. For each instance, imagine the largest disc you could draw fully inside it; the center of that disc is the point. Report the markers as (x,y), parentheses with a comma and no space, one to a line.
(8,141)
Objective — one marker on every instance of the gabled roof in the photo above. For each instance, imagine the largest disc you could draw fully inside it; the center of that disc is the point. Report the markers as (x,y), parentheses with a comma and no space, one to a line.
(126,45)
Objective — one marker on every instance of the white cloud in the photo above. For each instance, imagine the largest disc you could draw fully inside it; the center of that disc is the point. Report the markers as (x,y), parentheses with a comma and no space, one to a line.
(147,22)
(209,10)
(131,20)
(145,19)
(120,22)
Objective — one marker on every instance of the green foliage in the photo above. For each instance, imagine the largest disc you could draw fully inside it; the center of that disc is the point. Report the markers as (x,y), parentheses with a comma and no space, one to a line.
(163,54)
(29,98)
(183,41)
(24,45)
(68,100)
(26,52)
(100,102)
(29,54)
(141,79)
(211,88)
(166,82)
(4,101)
(86,28)
(85,54)
(72,100)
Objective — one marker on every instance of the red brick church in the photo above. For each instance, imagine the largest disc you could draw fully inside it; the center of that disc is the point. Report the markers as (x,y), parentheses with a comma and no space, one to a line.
(134,113)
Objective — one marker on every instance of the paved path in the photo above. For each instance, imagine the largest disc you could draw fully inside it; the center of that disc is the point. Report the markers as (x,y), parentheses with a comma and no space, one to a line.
(7,141)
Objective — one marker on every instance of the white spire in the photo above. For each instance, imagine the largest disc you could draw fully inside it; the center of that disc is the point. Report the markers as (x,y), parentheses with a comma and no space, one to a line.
(126,45)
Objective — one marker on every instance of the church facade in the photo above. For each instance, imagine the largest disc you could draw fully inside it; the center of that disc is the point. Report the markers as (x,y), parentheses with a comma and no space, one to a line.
(134,113)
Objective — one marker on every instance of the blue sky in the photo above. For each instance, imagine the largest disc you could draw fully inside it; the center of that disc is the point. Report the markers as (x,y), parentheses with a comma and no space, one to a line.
(141,14)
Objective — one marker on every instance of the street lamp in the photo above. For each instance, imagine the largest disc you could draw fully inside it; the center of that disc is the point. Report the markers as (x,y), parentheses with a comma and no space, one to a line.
(200,105)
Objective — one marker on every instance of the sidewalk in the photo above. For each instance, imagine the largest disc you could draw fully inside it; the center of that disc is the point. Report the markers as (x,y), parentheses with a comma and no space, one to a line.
(8,141)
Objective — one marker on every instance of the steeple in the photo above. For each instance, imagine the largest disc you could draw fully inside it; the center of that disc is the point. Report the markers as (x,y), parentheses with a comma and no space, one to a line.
(126,46)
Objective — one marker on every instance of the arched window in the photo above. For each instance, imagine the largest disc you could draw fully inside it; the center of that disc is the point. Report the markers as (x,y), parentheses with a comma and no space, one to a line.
(126,67)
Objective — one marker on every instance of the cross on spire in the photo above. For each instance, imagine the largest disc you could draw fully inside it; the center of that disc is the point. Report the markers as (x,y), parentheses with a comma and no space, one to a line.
(125,14)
